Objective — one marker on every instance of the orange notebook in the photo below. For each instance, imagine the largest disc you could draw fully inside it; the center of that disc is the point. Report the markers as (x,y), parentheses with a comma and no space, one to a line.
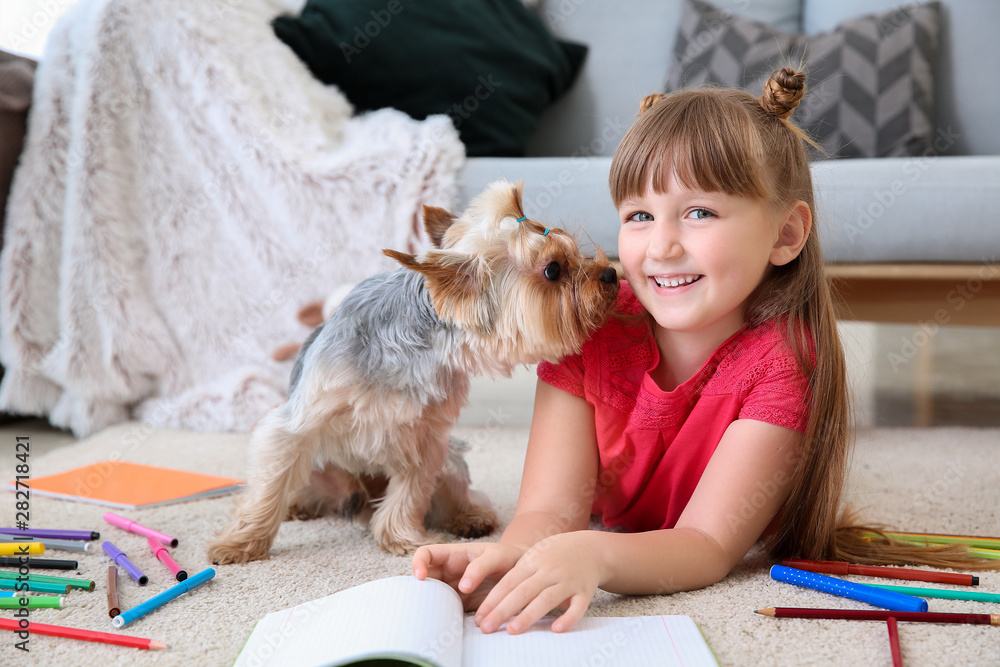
(130,485)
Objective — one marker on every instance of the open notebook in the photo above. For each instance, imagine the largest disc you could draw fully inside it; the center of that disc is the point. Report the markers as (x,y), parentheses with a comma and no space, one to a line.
(422,623)
(130,485)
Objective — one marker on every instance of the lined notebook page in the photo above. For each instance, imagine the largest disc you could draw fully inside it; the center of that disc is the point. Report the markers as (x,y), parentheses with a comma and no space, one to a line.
(624,642)
(393,616)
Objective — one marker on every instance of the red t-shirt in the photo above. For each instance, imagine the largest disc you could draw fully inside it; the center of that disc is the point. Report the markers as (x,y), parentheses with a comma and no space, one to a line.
(654,445)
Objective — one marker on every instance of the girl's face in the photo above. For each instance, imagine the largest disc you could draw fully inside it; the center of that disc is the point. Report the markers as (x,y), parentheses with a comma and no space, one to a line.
(692,258)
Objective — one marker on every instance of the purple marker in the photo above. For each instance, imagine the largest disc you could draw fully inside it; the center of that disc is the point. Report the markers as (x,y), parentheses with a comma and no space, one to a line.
(122,561)
(41,533)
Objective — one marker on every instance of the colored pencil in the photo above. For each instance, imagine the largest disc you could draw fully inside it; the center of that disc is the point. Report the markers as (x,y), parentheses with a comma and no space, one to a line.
(21,548)
(114,607)
(840,567)
(82,584)
(139,529)
(881,615)
(85,535)
(85,635)
(39,563)
(977,548)
(935,538)
(991,554)
(942,593)
(163,598)
(34,602)
(897,653)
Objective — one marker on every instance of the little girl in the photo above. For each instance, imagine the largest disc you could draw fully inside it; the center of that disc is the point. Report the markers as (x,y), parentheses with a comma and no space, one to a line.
(714,410)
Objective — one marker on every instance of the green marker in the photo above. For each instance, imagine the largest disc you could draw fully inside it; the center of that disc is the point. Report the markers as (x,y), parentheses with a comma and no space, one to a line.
(37,586)
(34,602)
(82,584)
(942,593)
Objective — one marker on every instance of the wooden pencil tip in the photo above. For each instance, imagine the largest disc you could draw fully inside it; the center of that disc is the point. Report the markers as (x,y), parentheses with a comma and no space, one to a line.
(156,646)
(766,612)
(994,619)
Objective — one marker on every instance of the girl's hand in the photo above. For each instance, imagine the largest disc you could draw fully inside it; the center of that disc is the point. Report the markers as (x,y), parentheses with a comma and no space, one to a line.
(561,571)
(472,569)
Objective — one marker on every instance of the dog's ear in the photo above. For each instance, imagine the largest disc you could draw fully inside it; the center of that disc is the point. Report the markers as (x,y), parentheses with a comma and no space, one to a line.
(455,286)
(436,222)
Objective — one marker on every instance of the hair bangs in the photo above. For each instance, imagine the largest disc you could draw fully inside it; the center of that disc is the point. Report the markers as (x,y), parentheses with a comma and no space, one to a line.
(708,139)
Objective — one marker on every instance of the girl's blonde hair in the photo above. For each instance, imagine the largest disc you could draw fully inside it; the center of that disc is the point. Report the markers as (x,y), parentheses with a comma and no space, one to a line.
(726,140)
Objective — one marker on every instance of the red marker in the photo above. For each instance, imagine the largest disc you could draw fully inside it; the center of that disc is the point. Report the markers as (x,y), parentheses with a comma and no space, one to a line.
(839,567)
(163,556)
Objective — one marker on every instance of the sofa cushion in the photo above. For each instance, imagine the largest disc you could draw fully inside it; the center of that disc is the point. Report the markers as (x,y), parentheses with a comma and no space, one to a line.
(870,80)
(629,46)
(491,65)
(968,51)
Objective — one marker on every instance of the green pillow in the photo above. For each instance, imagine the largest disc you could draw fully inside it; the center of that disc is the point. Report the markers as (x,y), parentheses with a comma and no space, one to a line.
(491,65)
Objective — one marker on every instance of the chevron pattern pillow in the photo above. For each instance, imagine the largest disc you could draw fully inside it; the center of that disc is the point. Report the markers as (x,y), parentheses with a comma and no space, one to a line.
(870,81)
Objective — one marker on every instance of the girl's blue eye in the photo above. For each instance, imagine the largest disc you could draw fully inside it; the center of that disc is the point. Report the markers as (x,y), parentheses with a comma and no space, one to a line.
(640,216)
(701,214)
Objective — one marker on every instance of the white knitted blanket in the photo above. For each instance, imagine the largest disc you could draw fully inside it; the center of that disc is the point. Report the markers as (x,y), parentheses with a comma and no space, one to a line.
(186,186)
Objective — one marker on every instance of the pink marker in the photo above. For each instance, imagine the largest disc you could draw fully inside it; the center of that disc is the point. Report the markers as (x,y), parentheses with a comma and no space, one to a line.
(161,554)
(139,529)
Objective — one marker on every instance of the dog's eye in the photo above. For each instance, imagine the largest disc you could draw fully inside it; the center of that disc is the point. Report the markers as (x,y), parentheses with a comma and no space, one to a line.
(553,271)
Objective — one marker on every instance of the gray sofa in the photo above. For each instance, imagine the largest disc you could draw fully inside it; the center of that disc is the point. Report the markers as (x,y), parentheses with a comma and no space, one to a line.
(908,239)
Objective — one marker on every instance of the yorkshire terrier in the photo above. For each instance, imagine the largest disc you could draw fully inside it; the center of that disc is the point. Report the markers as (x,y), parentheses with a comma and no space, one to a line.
(376,388)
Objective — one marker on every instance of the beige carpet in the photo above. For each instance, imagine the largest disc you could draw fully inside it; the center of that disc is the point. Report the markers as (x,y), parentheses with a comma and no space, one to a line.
(943,480)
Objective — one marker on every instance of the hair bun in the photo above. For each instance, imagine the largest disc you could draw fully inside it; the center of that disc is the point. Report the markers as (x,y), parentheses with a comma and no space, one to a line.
(783,92)
(649,100)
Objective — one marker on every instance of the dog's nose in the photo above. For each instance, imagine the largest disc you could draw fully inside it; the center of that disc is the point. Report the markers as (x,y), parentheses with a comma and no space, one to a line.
(609,275)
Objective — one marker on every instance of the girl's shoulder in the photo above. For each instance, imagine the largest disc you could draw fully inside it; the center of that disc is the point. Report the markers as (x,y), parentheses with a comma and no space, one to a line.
(760,354)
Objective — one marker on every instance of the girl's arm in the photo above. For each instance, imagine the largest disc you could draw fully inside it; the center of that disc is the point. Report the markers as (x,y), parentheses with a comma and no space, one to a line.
(742,488)
(560,469)
(557,488)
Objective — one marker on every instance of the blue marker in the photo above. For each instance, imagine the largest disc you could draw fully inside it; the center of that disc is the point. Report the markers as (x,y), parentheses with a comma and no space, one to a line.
(163,598)
(847,589)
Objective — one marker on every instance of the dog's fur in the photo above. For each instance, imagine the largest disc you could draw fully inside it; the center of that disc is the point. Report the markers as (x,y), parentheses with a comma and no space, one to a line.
(376,389)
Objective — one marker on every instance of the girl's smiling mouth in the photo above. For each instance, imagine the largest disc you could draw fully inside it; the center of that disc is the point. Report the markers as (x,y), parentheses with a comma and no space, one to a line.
(676,280)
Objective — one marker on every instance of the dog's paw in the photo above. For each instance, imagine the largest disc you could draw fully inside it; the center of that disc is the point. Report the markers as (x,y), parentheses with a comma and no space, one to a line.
(225,553)
(403,546)
(476,522)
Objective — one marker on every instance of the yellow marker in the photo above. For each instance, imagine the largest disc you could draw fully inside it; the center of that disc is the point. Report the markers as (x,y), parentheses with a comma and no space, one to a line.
(21,548)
